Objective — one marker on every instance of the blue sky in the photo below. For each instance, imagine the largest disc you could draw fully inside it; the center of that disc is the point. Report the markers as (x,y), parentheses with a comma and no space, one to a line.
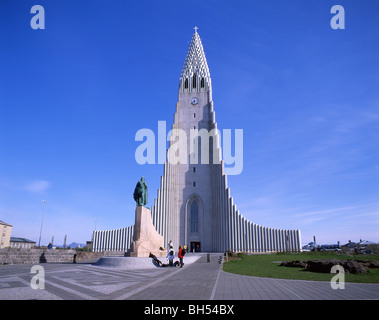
(73,96)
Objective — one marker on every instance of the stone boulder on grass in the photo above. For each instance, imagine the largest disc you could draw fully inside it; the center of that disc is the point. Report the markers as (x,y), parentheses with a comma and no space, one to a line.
(324,266)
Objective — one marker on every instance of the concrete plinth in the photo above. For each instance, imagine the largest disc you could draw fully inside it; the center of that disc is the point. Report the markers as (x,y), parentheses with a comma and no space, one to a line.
(146,239)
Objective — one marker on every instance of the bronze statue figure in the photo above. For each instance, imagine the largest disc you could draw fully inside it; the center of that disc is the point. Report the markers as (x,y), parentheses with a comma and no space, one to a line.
(140,192)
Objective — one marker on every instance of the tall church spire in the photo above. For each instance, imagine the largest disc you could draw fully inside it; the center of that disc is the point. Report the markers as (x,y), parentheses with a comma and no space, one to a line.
(195,73)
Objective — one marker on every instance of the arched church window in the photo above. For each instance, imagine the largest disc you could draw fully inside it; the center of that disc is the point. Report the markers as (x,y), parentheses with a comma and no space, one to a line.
(194,81)
(194,216)
(202,84)
(186,83)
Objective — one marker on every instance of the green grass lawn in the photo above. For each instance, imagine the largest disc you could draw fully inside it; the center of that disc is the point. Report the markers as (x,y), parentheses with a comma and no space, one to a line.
(267,265)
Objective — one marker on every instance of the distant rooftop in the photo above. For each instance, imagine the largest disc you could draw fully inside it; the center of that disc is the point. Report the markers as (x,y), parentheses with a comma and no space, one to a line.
(16,239)
(7,224)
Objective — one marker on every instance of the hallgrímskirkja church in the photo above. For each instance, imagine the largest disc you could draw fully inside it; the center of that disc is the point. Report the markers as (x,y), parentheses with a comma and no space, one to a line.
(194,205)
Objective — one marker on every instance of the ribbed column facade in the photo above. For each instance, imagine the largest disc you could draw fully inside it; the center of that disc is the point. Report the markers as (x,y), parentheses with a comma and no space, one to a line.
(112,240)
(230,230)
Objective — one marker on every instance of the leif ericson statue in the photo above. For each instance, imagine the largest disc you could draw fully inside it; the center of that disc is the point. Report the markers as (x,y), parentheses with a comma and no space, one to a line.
(140,192)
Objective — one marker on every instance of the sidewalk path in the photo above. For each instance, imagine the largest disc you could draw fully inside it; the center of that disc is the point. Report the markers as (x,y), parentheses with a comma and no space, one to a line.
(194,282)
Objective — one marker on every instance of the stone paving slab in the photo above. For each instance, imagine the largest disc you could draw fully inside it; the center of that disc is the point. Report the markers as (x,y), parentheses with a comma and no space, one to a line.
(200,280)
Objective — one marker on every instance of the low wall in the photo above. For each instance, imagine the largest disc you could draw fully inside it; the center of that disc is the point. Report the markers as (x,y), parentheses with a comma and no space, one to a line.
(85,255)
(34,256)
(23,256)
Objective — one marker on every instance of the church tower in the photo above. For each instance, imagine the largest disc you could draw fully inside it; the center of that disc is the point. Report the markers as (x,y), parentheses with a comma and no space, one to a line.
(186,192)
(194,114)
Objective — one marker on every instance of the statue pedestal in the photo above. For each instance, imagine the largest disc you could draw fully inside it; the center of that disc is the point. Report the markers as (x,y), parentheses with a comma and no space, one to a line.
(146,239)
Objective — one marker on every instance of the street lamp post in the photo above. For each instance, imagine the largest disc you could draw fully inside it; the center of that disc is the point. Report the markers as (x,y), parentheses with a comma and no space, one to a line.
(43,215)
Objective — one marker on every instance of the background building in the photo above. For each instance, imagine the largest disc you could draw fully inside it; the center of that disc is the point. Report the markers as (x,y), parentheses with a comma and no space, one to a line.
(5,234)
(23,243)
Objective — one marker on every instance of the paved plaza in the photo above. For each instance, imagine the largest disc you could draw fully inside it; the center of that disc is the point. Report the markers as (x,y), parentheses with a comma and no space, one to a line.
(200,280)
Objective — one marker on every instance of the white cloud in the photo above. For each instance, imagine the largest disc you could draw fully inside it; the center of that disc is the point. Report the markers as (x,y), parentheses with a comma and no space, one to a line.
(37,186)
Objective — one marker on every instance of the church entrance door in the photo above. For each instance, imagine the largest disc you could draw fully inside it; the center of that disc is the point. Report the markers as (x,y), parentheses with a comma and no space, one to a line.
(195,246)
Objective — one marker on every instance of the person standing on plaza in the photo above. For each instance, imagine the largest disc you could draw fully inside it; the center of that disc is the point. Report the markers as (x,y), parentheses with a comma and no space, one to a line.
(169,246)
(170,256)
(181,254)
